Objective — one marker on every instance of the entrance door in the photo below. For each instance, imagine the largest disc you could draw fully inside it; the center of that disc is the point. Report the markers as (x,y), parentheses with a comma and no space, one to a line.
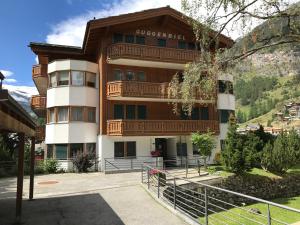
(161,145)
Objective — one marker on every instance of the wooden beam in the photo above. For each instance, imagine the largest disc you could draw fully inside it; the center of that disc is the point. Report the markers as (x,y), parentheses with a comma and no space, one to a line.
(20,176)
(32,161)
(12,124)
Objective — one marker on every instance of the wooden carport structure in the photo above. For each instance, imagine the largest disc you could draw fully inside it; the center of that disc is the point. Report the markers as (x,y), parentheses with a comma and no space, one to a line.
(15,119)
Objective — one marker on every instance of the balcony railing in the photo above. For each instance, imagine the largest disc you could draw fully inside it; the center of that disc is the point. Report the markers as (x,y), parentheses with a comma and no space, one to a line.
(159,127)
(145,90)
(38,102)
(39,70)
(152,53)
(40,133)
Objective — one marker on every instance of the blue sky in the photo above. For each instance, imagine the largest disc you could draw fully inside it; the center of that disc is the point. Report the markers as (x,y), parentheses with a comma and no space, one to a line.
(55,21)
(32,20)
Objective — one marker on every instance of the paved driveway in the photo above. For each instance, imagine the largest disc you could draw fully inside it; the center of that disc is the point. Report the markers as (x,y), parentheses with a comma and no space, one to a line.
(85,199)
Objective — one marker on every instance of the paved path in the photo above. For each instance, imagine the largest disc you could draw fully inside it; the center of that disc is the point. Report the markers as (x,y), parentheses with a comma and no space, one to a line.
(85,199)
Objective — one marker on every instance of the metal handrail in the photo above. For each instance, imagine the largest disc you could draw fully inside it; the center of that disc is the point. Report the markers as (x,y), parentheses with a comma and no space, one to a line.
(208,207)
(230,192)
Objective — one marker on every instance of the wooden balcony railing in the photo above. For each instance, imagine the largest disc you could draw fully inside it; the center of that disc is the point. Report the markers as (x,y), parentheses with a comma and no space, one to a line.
(152,53)
(144,90)
(38,102)
(39,70)
(159,127)
(137,89)
(40,133)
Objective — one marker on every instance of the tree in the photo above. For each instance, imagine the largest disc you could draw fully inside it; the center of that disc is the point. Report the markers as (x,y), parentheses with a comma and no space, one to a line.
(205,143)
(284,153)
(278,25)
(235,157)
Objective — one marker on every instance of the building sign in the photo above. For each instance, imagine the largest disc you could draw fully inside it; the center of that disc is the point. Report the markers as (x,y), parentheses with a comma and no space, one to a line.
(160,34)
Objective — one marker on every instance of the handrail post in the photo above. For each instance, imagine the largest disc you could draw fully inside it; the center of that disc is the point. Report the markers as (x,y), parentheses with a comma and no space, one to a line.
(148,177)
(158,184)
(142,172)
(104,165)
(198,165)
(186,166)
(269,215)
(174,198)
(131,165)
(206,206)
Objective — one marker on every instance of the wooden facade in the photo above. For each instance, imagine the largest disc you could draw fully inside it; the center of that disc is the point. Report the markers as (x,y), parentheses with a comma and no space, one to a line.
(167,40)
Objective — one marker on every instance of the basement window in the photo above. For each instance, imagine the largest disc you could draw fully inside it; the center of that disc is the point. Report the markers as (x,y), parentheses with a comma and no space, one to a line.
(125,149)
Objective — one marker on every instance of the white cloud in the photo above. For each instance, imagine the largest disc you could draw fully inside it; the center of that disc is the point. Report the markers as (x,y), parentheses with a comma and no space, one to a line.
(36,59)
(71,31)
(10,80)
(6,73)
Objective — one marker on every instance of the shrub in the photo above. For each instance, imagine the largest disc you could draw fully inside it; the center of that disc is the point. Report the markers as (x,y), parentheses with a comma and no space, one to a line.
(83,161)
(51,165)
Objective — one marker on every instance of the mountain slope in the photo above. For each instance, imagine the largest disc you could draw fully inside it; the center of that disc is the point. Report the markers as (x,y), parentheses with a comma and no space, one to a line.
(22,94)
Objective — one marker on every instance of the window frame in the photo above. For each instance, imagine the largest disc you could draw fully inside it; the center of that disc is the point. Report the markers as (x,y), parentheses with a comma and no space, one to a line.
(72,109)
(58,75)
(83,78)
(57,114)
(125,147)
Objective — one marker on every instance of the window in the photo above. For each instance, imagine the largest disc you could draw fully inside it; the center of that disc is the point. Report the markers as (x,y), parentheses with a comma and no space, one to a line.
(129,75)
(77,78)
(62,114)
(125,149)
(191,46)
(222,86)
(91,149)
(51,115)
(182,44)
(130,112)
(117,38)
(225,87)
(49,151)
(183,115)
(90,79)
(63,78)
(195,150)
(140,76)
(61,151)
(204,113)
(195,114)
(119,149)
(53,82)
(77,113)
(75,149)
(224,115)
(117,75)
(91,115)
(162,42)
(142,112)
(129,38)
(140,40)
(222,144)
(118,111)
(131,149)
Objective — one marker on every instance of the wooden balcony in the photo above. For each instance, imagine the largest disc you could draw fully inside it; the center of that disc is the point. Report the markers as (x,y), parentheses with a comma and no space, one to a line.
(159,127)
(147,91)
(40,77)
(150,56)
(40,133)
(38,105)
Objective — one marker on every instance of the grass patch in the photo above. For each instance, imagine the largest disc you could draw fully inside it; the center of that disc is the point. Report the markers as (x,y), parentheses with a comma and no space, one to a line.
(237,215)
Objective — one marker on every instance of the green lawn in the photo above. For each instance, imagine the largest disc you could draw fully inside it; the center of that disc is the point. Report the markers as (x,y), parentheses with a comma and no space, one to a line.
(237,215)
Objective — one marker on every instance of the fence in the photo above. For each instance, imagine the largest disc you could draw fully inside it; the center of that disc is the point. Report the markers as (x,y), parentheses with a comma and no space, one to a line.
(204,206)
(135,163)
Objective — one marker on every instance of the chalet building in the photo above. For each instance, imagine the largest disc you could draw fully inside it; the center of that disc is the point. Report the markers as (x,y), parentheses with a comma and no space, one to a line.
(110,96)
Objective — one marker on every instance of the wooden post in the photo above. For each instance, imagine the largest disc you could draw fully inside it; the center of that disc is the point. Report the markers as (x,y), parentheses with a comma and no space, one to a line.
(20,176)
(32,162)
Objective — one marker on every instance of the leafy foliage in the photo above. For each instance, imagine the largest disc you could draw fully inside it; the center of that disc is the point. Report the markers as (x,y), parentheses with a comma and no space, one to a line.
(283,154)
(51,165)
(83,161)
(204,142)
